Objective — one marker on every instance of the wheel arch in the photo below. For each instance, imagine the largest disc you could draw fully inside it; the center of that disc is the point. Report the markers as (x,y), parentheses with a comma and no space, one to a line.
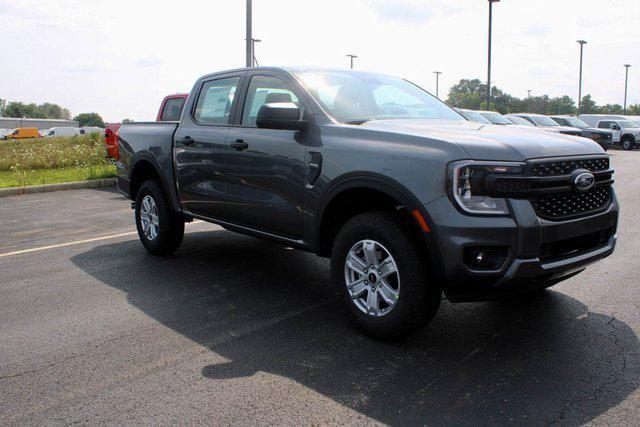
(349,188)
(145,168)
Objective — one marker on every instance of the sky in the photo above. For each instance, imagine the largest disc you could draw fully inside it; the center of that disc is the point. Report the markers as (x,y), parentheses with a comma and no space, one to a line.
(120,58)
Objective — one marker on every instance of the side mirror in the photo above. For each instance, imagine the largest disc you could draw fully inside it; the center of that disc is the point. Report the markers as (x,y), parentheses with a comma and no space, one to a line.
(615,126)
(280,115)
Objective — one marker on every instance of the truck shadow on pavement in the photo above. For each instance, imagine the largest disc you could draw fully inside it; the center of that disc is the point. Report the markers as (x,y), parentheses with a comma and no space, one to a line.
(266,308)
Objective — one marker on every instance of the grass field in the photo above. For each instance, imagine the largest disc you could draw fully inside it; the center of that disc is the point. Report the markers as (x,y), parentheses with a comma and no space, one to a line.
(53,160)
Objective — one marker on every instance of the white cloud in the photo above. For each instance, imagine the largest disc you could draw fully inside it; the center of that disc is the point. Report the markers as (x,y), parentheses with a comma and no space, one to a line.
(120,57)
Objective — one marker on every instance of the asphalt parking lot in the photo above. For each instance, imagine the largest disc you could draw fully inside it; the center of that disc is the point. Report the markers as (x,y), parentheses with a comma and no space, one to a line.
(233,330)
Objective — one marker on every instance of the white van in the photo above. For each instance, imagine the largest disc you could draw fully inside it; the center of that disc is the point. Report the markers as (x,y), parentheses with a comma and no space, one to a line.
(86,130)
(63,131)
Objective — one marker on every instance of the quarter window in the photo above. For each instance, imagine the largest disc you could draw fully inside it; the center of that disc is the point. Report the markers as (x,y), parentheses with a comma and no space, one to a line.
(215,100)
(264,90)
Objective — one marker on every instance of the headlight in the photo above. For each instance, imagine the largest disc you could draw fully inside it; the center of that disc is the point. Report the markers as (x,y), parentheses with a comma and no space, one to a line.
(467,186)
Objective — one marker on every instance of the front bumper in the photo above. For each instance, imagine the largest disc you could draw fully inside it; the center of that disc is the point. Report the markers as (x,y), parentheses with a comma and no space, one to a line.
(538,252)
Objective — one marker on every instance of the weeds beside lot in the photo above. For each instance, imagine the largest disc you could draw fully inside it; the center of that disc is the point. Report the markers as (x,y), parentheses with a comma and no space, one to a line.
(53,160)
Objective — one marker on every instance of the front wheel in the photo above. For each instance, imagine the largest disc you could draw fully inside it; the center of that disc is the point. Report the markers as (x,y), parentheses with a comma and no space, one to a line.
(627,144)
(160,229)
(379,269)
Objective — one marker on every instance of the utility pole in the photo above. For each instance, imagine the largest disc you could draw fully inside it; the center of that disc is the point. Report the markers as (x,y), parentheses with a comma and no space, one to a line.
(528,93)
(437,73)
(626,85)
(249,37)
(489,61)
(351,56)
(582,43)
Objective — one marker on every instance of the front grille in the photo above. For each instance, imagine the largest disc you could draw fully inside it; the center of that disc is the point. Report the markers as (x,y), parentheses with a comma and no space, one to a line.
(565,167)
(569,205)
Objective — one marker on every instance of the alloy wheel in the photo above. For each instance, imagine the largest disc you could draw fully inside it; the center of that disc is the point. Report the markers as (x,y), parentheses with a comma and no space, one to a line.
(149,217)
(372,278)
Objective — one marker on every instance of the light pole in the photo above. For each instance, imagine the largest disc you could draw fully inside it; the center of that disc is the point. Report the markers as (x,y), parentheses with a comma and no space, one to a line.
(582,43)
(351,56)
(249,37)
(626,81)
(437,73)
(491,2)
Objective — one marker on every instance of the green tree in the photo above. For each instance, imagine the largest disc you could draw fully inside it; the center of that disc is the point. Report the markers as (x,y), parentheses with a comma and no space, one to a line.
(19,109)
(588,105)
(53,111)
(89,119)
(611,109)
(3,105)
(633,110)
(127,121)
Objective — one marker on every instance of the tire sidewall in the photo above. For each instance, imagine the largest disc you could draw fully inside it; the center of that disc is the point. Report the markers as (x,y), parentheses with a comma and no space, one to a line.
(412,274)
(162,242)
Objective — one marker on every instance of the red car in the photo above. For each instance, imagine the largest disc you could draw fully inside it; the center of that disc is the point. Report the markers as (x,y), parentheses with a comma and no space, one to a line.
(170,111)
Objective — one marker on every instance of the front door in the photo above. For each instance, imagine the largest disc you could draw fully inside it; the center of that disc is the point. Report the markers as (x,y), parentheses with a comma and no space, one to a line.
(265,170)
(200,147)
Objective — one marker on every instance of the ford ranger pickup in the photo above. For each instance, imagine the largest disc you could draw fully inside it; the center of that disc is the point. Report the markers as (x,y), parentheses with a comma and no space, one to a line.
(408,199)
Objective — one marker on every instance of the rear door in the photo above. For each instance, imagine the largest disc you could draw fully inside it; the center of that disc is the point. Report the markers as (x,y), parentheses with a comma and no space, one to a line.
(266,179)
(199,146)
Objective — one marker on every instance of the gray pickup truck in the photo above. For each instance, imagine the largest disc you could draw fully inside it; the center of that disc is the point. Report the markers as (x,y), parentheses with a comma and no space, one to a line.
(407,198)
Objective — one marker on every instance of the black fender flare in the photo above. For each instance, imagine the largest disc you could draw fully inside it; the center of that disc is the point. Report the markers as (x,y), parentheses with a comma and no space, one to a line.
(392,188)
(169,189)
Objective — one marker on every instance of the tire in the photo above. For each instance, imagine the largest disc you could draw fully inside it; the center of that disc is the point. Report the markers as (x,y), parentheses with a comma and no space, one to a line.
(168,226)
(417,297)
(627,144)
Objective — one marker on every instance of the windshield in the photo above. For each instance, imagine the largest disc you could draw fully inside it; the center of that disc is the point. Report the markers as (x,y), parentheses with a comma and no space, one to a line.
(356,97)
(543,121)
(629,124)
(496,118)
(520,121)
(575,122)
(474,116)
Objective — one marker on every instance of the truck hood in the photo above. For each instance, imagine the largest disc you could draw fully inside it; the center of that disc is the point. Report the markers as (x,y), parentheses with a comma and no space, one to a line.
(490,142)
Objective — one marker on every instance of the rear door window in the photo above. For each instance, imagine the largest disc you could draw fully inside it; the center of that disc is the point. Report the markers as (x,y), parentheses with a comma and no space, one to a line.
(215,101)
(172,109)
(605,124)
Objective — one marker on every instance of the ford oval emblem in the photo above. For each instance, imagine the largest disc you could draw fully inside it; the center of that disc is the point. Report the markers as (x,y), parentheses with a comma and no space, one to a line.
(583,181)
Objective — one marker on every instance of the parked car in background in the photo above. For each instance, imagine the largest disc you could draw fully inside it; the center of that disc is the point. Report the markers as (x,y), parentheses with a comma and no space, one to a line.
(495,118)
(407,198)
(170,111)
(548,124)
(22,133)
(519,121)
(629,131)
(62,131)
(171,107)
(593,119)
(4,132)
(473,116)
(111,139)
(601,136)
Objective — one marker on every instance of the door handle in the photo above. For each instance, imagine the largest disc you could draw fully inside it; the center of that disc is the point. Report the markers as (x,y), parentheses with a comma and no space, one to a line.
(187,140)
(239,145)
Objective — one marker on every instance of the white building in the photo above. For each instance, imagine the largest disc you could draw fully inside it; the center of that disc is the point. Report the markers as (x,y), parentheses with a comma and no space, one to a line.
(12,123)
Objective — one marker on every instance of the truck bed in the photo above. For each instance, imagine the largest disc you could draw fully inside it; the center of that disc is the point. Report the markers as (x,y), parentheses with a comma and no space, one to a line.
(149,141)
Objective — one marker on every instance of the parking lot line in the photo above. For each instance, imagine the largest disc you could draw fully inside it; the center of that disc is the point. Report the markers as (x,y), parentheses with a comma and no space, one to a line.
(77,242)
(61,245)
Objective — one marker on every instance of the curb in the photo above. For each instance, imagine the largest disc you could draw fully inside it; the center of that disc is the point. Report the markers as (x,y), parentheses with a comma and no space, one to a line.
(94,183)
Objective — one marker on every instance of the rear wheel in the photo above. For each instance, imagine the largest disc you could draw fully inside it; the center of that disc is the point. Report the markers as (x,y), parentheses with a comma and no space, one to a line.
(380,272)
(160,229)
